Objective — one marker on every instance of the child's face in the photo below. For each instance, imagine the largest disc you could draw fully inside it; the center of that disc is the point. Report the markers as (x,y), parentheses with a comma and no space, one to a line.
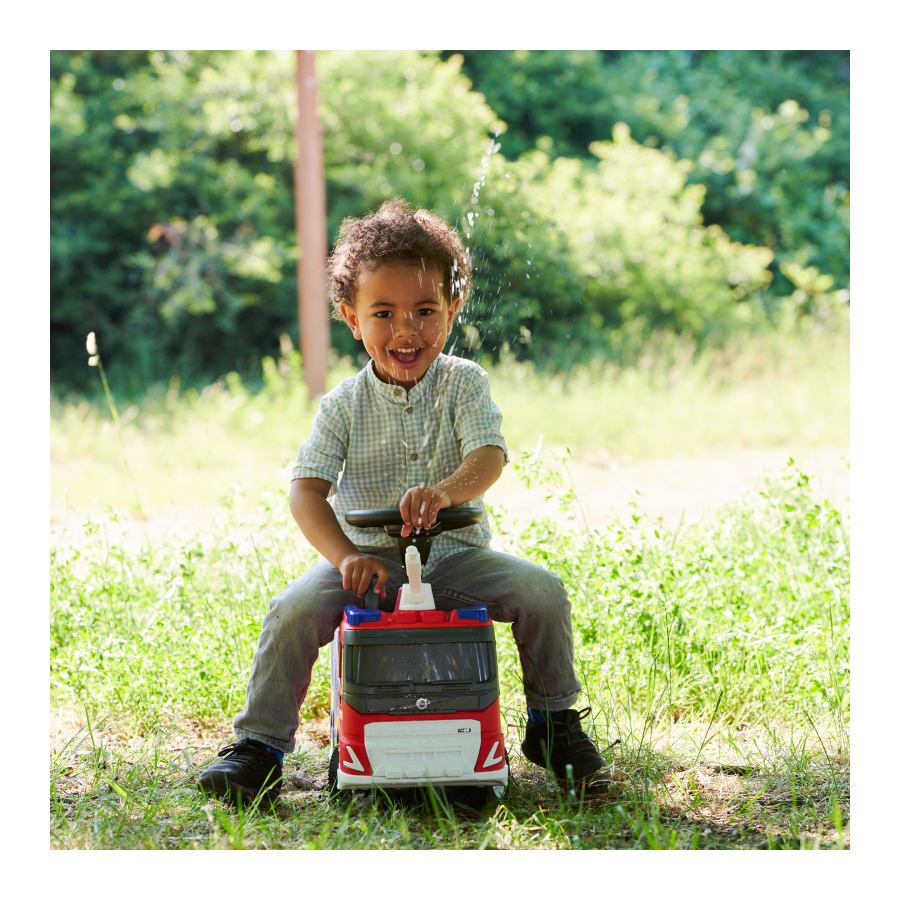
(402,315)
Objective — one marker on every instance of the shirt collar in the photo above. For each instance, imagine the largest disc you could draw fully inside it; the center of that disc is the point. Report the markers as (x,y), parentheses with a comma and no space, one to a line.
(387,390)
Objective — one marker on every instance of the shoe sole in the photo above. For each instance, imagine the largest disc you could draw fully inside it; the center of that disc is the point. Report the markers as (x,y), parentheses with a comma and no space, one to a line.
(216,784)
(609,791)
(589,790)
(612,786)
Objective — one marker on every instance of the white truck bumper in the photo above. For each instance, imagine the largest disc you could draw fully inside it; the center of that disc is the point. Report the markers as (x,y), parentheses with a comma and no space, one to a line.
(416,753)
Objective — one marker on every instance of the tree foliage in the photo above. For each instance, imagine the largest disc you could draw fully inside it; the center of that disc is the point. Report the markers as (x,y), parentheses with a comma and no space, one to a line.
(172,219)
(612,251)
(173,230)
(769,131)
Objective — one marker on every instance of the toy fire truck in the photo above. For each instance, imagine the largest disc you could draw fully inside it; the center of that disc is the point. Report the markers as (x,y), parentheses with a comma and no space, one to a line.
(415,694)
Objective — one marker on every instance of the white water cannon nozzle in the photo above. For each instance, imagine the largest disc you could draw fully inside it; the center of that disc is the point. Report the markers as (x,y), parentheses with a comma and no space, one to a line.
(417,593)
(414,569)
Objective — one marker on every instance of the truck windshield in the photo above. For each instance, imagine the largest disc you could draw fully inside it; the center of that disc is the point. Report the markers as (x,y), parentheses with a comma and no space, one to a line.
(420,663)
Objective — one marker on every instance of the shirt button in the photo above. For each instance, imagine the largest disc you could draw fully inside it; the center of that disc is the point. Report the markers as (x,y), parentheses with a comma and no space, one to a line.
(408,409)
(397,392)
(414,456)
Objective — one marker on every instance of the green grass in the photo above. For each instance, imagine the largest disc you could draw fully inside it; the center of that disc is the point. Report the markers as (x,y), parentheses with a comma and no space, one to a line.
(145,798)
(187,449)
(716,656)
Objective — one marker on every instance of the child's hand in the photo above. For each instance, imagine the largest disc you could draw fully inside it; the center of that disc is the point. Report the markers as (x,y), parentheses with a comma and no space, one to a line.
(358,571)
(419,508)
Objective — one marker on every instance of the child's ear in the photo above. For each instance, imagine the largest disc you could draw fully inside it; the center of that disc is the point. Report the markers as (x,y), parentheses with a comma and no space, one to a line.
(349,314)
(454,309)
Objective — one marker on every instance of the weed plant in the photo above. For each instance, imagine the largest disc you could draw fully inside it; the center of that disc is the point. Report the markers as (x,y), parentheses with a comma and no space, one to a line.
(715,660)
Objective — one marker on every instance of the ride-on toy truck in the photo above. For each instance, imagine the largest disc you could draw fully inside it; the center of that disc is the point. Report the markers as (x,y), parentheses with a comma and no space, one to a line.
(415,696)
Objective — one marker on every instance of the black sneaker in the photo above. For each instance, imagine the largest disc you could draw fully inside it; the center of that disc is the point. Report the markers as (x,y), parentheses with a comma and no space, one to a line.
(561,742)
(246,769)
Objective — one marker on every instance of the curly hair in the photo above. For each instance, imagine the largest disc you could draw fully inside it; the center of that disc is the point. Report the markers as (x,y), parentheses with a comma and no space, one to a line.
(392,235)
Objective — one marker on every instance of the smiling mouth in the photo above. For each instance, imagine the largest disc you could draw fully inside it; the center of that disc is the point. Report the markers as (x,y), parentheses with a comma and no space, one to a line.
(406,357)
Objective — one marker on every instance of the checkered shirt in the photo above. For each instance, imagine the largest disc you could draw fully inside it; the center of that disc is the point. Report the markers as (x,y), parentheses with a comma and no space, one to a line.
(373,441)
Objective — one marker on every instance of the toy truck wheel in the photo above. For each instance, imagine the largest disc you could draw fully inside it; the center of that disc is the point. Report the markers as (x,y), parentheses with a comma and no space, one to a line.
(333,764)
(477,797)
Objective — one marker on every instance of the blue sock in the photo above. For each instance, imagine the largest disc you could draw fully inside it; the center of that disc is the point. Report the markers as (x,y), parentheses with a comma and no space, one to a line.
(536,717)
(276,753)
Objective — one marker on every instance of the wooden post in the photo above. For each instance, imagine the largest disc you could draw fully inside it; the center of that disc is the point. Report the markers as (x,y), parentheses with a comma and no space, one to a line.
(309,206)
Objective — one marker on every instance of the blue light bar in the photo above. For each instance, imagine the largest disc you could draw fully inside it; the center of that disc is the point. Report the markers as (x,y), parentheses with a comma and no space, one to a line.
(478,612)
(356,616)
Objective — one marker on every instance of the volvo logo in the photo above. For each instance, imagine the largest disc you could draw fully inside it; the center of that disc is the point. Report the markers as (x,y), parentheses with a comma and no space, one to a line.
(421,703)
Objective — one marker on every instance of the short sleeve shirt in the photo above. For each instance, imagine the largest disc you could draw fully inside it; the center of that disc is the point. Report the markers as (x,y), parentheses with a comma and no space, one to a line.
(373,441)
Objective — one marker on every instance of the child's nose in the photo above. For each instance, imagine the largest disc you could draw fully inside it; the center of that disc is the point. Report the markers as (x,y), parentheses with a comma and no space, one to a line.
(407,324)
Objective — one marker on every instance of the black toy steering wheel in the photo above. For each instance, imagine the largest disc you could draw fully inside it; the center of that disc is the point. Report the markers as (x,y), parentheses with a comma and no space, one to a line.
(392,522)
(390,519)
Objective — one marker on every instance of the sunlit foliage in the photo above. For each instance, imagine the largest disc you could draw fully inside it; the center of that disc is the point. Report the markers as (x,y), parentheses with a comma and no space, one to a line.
(172,217)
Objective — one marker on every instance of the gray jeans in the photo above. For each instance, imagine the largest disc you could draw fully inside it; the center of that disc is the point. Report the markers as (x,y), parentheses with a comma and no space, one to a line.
(304,616)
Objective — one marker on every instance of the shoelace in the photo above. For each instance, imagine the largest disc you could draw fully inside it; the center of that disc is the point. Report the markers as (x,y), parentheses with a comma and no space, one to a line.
(573,732)
(241,751)
(583,714)
(568,734)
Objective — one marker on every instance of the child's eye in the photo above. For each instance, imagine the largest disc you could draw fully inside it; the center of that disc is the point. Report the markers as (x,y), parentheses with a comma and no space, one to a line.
(383,314)
(426,311)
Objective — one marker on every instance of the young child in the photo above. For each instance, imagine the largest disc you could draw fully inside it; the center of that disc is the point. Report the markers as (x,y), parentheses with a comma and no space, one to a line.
(415,429)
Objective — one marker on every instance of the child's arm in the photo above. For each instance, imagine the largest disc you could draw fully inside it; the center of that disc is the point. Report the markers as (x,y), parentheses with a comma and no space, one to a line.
(320,527)
(477,472)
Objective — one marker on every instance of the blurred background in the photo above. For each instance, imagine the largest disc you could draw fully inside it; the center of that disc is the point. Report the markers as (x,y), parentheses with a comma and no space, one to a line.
(660,242)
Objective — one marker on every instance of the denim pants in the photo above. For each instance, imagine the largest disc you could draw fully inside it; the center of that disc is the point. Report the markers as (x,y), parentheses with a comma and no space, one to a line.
(304,616)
